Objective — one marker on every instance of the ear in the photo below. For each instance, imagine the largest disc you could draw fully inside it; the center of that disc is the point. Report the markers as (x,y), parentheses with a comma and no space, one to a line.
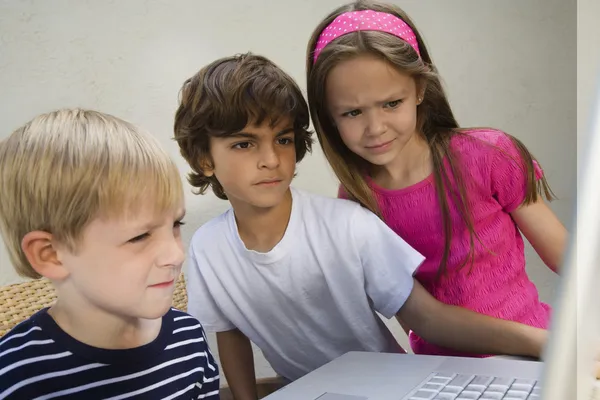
(421,87)
(40,250)
(207,167)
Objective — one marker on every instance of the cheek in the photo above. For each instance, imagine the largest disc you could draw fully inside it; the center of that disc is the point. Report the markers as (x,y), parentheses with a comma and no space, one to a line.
(288,154)
(406,119)
(350,131)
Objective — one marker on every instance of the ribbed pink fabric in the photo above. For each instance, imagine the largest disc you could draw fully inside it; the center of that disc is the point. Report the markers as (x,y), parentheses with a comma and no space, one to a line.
(498,284)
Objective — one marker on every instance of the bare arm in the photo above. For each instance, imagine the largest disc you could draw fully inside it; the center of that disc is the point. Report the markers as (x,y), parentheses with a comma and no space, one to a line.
(404,326)
(237,360)
(467,331)
(544,231)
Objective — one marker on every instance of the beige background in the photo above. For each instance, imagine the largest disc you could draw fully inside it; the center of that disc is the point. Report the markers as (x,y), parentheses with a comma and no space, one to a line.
(507,64)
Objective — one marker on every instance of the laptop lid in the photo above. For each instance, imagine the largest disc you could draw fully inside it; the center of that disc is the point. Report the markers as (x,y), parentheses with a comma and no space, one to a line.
(573,343)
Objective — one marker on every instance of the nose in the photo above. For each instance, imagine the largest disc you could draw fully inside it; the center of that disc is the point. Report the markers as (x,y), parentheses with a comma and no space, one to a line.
(268,157)
(375,124)
(172,253)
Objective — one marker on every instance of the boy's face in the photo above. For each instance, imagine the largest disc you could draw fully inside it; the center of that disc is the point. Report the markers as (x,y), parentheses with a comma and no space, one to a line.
(255,166)
(126,267)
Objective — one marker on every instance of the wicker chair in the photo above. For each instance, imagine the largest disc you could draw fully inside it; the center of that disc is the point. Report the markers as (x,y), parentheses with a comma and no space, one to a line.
(21,300)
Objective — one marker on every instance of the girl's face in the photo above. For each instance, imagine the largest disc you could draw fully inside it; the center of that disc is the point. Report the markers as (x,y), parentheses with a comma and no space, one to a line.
(374,107)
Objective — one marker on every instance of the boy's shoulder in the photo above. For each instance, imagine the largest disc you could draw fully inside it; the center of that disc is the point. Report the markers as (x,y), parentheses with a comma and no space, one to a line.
(331,209)
(27,331)
(213,230)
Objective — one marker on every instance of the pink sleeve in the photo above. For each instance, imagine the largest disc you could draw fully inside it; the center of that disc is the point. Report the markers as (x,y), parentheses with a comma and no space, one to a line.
(342,193)
(509,174)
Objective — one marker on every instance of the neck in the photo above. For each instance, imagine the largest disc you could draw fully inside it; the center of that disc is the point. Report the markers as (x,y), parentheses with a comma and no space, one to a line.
(262,228)
(412,165)
(98,328)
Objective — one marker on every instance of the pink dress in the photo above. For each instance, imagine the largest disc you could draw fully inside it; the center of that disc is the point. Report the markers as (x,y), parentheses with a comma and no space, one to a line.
(498,284)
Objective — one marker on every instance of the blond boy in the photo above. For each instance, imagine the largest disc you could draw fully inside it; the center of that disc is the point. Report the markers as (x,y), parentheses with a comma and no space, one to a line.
(95,205)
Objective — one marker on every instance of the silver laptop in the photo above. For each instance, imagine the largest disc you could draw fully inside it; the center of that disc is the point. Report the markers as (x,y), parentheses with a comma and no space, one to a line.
(565,374)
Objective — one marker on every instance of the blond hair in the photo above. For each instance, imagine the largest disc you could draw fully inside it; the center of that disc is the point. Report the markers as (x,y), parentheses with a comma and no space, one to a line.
(435,119)
(63,169)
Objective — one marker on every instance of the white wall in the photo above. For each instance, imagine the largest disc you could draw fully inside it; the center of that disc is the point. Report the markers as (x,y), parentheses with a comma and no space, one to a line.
(508,64)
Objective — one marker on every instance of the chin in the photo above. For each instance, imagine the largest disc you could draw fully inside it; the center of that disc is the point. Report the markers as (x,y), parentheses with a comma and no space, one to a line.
(156,312)
(268,200)
(380,160)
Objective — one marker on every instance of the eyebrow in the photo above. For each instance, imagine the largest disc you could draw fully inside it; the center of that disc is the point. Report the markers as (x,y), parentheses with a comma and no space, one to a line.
(391,97)
(250,135)
(151,225)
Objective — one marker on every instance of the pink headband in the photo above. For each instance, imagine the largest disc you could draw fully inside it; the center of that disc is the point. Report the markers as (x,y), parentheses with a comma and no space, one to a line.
(366,20)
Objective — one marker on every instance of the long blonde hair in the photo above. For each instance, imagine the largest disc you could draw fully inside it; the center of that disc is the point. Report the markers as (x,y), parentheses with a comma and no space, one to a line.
(435,119)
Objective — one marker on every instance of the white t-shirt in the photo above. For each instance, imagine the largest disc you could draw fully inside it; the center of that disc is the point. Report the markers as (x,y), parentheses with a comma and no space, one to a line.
(312,297)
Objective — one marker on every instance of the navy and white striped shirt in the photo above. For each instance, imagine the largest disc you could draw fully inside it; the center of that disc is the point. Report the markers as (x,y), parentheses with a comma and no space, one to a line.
(38,360)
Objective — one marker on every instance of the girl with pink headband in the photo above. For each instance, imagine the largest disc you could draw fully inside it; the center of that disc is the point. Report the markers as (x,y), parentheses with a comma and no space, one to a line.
(460,196)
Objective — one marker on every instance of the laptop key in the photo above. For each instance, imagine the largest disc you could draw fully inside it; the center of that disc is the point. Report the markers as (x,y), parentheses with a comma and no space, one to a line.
(423,395)
(516,395)
(440,380)
(489,395)
(444,375)
(460,382)
(436,387)
(479,384)
(466,395)
(452,389)
(524,385)
(501,384)
(446,396)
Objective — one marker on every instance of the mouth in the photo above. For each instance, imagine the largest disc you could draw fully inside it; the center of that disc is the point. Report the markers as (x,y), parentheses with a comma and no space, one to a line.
(269,182)
(165,284)
(380,146)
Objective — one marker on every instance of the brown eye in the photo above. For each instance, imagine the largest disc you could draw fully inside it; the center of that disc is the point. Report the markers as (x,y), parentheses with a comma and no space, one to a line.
(353,113)
(241,145)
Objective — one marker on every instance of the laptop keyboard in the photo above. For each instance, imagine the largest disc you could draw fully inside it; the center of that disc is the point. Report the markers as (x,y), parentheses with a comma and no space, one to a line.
(440,386)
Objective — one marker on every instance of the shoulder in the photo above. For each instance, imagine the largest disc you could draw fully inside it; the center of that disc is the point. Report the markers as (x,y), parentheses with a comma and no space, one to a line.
(345,220)
(26,331)
(212,232)
(22,352)
(188,354)
(328,209)
(479,141)
(478,150)
(181,321)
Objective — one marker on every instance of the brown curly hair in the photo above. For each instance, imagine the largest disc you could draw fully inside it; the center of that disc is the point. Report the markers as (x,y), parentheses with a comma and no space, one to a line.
(223,97)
